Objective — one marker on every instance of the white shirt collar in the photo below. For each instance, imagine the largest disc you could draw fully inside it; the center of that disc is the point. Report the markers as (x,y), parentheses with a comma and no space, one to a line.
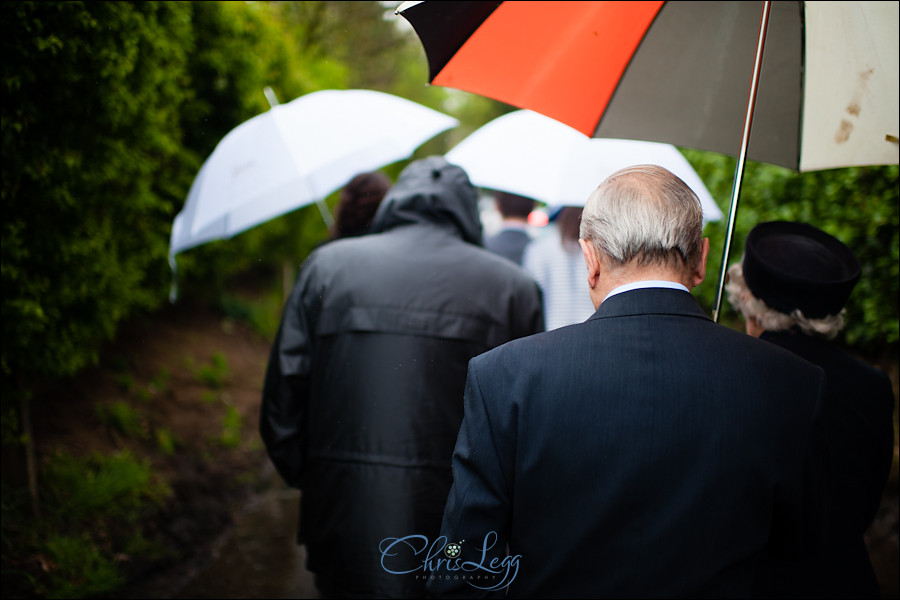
(651,283)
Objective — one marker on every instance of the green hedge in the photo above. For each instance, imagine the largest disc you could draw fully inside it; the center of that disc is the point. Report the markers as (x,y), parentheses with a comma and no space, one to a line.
(108,111)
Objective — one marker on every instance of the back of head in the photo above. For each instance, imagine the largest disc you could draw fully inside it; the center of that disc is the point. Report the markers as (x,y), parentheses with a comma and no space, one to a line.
(432,191)
(645,215)
(794,266)
(513,206)
(793,274)
(359,200)
(569,222)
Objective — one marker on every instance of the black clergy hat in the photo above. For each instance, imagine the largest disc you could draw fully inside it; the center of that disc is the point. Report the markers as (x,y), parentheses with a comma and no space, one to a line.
(797,266)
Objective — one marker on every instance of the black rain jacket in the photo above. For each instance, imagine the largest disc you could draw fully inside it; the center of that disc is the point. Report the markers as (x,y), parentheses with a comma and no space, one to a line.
(363,396)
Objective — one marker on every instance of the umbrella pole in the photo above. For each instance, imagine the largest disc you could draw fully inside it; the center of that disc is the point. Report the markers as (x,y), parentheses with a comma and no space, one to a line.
(286,269)
(739,168)
(173,290)
(320,202)
(326,214)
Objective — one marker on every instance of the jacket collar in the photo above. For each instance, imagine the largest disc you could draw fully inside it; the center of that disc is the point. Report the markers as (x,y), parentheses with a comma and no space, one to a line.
(659,301)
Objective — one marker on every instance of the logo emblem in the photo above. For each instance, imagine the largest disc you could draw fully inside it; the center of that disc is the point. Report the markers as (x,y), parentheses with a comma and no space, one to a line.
(452,550)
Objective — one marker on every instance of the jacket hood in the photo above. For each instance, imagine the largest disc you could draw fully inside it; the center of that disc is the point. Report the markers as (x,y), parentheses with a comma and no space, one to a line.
(431,190)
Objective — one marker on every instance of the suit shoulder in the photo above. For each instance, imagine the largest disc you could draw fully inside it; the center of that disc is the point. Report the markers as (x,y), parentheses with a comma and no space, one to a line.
(527,350)
(780,367)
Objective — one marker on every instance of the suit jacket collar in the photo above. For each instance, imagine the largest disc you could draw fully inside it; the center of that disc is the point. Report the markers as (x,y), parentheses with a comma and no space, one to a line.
(647,301)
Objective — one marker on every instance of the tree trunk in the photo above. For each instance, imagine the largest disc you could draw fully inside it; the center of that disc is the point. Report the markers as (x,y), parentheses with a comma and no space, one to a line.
(30,455)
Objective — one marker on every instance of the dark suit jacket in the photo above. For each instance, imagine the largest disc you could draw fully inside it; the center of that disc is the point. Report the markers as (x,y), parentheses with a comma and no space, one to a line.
(509,243)
(858,416)
(647,452)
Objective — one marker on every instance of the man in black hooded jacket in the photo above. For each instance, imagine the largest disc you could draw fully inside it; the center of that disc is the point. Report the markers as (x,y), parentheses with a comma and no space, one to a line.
(363,394)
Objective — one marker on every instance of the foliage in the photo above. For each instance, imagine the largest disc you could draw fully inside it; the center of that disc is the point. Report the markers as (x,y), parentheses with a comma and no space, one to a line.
(859,206)
(241,49)
(79,569)
(231,428)
(165,441)
(109,110)
(262,313)
(161,381)
(99,489)
(90,139)
(213,374)
(92,508)
(121,418)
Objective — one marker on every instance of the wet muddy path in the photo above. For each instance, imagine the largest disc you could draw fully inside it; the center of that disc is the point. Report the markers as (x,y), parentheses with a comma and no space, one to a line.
(255,557)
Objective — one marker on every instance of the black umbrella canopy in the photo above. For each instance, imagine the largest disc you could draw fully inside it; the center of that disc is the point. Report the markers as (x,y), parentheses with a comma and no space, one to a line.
(443,27)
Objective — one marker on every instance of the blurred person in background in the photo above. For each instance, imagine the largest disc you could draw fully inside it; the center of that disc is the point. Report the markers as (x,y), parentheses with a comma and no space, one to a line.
(555,261)
(357,204)
(514,235)
(791,287)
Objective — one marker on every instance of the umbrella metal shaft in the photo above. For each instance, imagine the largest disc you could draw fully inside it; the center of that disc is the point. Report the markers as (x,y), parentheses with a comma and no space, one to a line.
(739,168)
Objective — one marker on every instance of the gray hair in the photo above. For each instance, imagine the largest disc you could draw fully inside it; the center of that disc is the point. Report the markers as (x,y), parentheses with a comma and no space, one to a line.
(645,213)
(743,300)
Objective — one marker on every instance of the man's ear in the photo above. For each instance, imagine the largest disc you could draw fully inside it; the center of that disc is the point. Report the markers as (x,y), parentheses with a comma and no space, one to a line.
(591,261)
(700,272)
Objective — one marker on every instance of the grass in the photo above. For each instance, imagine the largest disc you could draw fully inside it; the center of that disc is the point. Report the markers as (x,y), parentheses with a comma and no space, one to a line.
(231,428)
(79,569)
(98,525)
(214,374)
(89,530)
(262,314)
(160,382)
(157,385)
(122,418)
(165,441)
(125,382)
(99,487)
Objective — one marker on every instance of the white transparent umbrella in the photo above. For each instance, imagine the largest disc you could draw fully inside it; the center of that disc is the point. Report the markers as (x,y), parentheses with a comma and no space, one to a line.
(532,155)
(296,154)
